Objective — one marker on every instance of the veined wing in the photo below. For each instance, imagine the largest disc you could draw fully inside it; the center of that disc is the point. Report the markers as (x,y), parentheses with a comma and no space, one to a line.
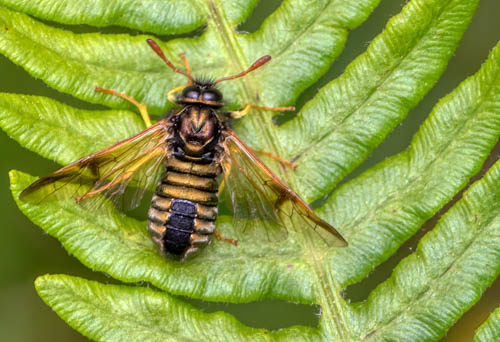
(134,162)
(257,193)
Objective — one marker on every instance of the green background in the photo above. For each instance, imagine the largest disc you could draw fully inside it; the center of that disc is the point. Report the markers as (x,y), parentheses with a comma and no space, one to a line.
(26,251)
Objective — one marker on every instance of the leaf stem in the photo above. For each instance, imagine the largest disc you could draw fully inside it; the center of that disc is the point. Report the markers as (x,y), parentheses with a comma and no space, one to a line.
(333,322)
(328,293)
(259,123)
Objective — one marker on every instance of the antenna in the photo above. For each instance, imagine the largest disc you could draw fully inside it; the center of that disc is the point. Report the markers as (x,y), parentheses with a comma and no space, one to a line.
(160,53)
(257,64)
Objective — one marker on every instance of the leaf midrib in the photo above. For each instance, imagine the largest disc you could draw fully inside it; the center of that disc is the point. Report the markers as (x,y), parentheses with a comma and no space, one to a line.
(236,54)
(328,296)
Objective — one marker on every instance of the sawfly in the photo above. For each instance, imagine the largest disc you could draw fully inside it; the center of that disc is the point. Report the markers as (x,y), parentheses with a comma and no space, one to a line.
(184,154)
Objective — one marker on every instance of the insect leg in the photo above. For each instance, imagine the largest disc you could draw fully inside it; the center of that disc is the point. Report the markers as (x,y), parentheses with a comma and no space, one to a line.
(186,64)
(171,94)
(221,186)
(224,239)
(242,112)
(142,108)
(282,161)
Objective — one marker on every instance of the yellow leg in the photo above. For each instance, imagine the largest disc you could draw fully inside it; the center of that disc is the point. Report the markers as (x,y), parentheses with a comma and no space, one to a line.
(282,161)
(224,239)
(221,186)
(186,64)
(236,114)
(142,108)
(171,94)
(239,113)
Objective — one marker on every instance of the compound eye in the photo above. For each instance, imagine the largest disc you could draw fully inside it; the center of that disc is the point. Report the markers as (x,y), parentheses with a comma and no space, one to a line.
(191,92)
(211,95)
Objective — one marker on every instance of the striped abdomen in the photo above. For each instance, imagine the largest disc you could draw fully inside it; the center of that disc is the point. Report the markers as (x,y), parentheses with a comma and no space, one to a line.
(184,207)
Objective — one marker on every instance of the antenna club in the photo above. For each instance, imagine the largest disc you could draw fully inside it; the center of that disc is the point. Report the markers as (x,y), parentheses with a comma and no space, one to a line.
(265,59)
(156,48)
(257,64)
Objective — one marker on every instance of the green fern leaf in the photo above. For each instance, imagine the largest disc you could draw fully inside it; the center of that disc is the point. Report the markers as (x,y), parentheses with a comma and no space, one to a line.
(332,134)
(489,330)
(142,314)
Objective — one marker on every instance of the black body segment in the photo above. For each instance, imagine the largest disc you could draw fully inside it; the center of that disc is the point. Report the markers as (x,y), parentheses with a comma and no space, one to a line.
(179,226)
(184,207)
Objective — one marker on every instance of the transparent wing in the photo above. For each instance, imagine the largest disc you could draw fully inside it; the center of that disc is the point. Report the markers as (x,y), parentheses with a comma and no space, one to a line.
(255,192)
(131,163)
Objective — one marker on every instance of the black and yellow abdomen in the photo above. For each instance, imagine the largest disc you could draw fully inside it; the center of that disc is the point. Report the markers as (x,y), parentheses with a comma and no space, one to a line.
(184,207)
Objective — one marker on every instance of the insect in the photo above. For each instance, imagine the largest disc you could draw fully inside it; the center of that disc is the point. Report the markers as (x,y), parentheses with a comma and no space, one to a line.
(184,154)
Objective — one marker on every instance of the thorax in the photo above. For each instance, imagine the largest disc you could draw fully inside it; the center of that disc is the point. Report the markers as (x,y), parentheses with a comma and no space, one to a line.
(197,131)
